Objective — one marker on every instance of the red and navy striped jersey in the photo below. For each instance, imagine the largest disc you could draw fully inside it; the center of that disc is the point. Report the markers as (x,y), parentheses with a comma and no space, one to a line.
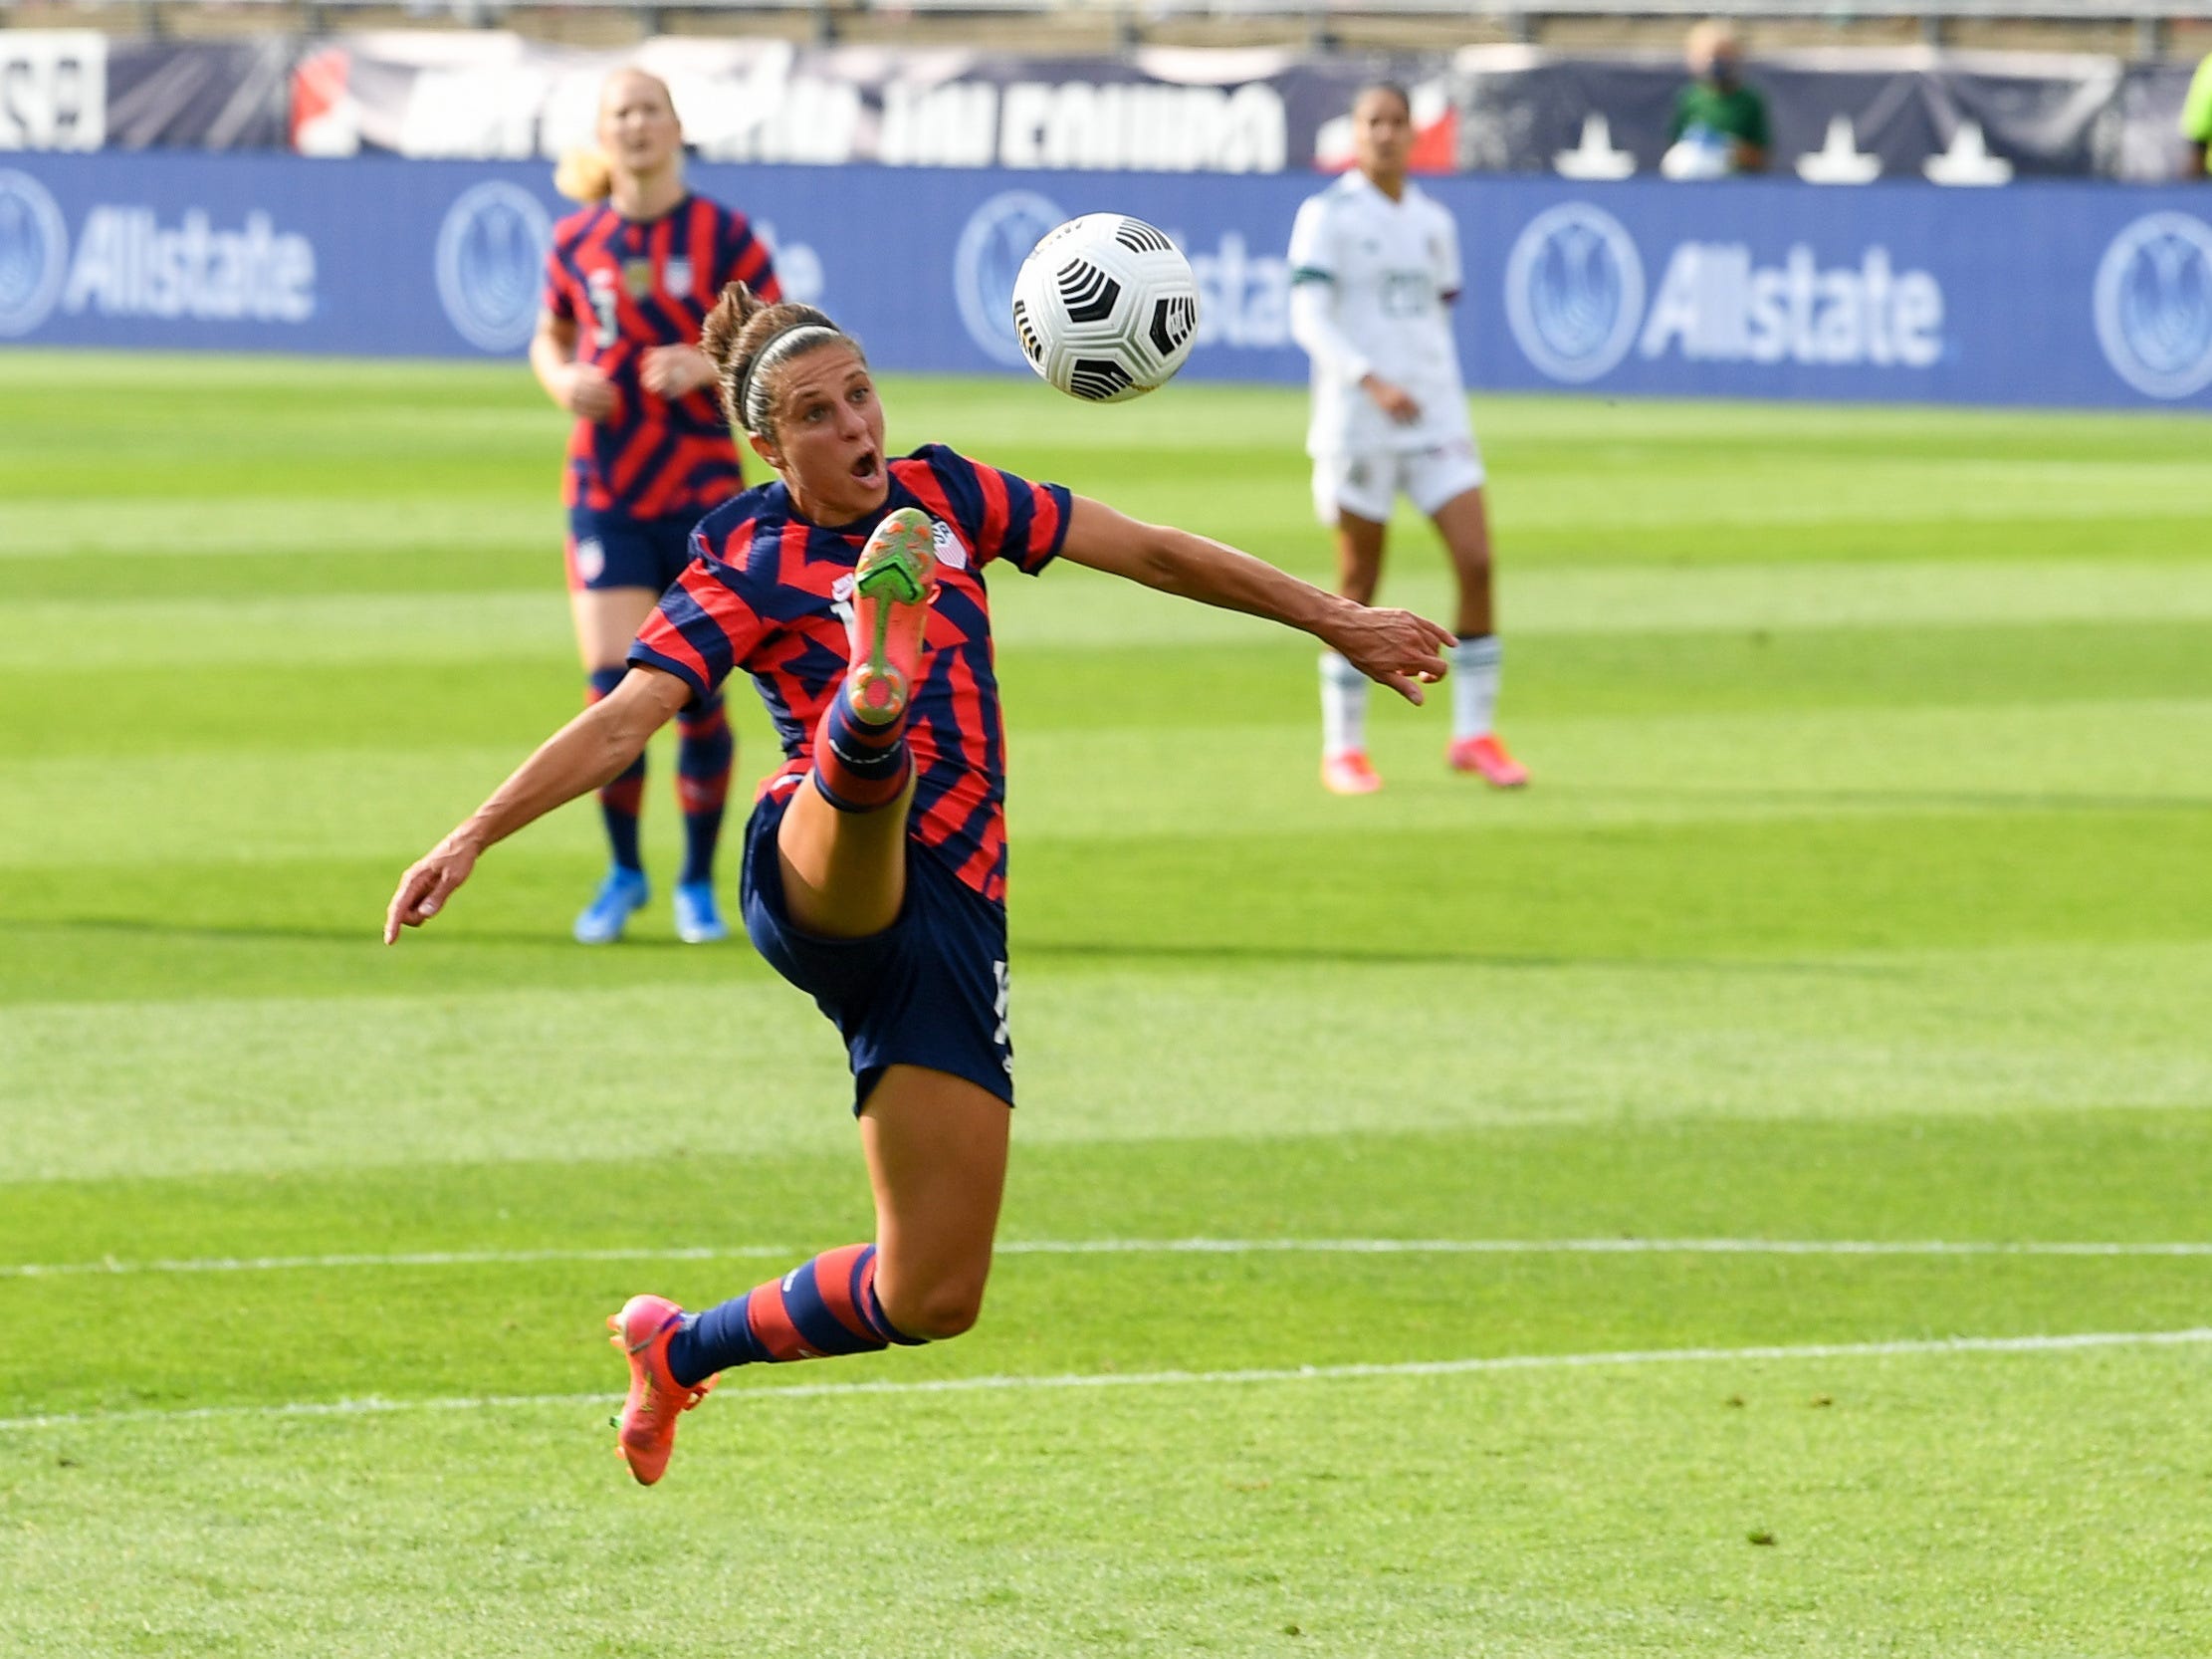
(629,285)
(767,592)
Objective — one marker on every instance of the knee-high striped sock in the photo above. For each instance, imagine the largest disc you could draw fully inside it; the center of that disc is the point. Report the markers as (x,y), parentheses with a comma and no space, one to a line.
(705,752)
(858,767)
(820,1307)
(621,799)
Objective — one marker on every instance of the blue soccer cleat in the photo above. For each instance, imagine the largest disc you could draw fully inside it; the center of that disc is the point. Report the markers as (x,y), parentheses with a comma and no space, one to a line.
(698,918)
(603,921)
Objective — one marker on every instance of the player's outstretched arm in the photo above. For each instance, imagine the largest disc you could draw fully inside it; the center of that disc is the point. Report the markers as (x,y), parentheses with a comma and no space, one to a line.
(591,750)
(1394,647)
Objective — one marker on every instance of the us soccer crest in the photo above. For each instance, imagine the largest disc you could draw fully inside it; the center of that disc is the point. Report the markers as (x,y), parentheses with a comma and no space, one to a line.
(676,275)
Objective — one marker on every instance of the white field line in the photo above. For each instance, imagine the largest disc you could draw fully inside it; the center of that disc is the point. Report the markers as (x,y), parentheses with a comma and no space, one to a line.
(1942,1345)
(1149,1246)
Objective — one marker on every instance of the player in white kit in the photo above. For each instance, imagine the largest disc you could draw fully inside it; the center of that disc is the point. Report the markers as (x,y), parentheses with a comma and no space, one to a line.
(1374,263)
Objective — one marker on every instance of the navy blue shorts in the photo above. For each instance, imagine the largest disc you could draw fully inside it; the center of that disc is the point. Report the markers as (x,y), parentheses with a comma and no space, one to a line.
(929,989)
(613,550)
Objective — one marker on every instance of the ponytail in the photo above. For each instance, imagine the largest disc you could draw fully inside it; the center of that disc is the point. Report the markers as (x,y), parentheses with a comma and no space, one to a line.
(584,175)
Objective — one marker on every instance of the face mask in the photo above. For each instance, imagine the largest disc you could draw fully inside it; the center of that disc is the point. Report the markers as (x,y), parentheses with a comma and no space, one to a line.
(1722,73)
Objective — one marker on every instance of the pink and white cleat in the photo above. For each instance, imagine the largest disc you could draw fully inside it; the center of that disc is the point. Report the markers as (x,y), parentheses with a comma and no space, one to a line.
(656,1398)
(893,583)
(1486,756)
(1350,773)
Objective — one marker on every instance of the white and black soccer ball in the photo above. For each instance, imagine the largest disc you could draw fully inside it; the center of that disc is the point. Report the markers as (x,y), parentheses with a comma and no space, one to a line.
(1106,308)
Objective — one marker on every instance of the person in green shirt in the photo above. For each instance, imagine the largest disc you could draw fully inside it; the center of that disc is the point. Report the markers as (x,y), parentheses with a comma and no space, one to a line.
(2196,119)
(1717,110)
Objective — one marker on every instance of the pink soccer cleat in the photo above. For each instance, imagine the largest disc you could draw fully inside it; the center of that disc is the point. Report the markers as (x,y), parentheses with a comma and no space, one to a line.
(656,1398)
(893,584)
(1485,756)
(1350,773)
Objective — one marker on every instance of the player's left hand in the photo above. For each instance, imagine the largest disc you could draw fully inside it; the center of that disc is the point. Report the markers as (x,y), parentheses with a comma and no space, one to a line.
(1392,647)
(672,371)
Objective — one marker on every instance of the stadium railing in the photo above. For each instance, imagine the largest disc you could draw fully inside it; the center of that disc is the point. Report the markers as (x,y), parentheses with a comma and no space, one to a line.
(1320,22)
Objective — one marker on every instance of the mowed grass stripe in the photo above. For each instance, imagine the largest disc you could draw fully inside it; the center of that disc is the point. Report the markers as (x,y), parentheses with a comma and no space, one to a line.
(1662,777)
(2102,688)
(1141,1246)
(1904,1347)
(2096,1172)
(498,625)
(514,548)
(315,531)
(1268,1046)
(450,1330)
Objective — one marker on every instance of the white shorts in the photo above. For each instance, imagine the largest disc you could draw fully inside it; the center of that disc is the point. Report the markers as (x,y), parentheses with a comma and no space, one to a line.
(1366,485)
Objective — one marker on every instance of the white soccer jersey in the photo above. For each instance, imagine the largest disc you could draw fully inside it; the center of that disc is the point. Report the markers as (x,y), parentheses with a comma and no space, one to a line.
(1385,269)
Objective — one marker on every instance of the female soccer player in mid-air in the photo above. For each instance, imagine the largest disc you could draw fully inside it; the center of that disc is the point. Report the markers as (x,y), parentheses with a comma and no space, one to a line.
(852,590)
(1374,267)
(628,281)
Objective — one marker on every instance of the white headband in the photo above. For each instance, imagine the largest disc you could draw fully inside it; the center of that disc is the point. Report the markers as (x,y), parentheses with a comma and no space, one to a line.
(753,409)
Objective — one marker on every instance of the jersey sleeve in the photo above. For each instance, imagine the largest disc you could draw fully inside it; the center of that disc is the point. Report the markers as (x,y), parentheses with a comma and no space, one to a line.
(999,514)
(745,258)
(702,628)
(1312,248)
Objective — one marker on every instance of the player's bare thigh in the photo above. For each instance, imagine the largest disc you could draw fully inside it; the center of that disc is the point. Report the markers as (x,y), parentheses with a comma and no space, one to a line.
(937,1160)
(845,874)
(607,620)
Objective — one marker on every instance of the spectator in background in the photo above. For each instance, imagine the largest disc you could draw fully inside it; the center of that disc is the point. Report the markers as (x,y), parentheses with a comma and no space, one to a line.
(2196,119)
(1719,124)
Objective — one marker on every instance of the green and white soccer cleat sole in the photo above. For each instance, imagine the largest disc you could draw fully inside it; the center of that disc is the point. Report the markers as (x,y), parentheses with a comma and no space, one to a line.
(891,592)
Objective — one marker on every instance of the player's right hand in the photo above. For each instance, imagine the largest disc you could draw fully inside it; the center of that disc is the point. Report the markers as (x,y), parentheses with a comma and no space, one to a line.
(428,884)
(1392,647)
(588,393)
(1392,400)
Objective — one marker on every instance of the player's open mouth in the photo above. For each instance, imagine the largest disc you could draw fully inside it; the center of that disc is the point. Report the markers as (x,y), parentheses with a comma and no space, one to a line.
(868,469)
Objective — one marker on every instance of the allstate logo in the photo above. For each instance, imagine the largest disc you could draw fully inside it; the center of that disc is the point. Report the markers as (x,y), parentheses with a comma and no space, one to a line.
(34,253)
(1574,292)
(491,253)
(998,238)
(2154,305)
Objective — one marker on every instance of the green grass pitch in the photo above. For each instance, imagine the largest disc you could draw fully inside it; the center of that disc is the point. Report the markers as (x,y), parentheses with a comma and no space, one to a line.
(1864,898)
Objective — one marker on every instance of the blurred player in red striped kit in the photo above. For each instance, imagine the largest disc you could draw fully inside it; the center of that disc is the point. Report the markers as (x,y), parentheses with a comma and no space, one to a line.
(628,282)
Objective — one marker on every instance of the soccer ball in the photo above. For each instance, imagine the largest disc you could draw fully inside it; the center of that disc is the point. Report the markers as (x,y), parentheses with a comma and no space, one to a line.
(1106,308)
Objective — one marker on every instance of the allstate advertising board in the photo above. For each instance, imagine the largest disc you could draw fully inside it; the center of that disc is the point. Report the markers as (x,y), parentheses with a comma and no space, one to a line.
(2039,294)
